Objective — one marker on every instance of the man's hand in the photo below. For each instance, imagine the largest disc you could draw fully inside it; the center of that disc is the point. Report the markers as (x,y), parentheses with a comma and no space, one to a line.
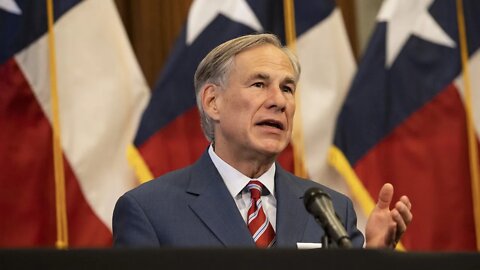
(385,227)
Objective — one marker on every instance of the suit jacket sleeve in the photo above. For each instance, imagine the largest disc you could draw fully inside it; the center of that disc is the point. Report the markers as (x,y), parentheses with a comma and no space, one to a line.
(351,226)
(131,227)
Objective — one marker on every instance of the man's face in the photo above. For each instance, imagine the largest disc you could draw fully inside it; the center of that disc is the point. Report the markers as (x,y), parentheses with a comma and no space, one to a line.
(256,108)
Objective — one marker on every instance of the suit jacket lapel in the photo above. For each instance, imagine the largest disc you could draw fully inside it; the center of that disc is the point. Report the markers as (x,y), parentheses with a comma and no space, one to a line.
(215,206)
(291,214)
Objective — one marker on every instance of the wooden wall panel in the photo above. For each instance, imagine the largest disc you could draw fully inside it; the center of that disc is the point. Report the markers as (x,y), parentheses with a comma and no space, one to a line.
(348,12)
(153,27)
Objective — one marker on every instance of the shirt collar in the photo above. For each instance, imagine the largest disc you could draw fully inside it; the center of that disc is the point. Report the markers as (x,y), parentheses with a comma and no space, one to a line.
(235,180)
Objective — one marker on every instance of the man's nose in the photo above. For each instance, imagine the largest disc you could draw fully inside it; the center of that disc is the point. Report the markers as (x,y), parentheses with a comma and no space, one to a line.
(277,99)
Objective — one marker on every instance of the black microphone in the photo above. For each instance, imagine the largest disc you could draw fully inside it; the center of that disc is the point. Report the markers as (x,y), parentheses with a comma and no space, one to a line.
(319,204)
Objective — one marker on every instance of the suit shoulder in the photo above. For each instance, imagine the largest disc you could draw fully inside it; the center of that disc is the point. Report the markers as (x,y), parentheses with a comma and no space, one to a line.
(170,182)
(305,184)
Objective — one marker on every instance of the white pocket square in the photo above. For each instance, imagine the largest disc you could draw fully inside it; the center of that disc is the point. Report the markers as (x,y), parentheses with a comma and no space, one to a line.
(308,245)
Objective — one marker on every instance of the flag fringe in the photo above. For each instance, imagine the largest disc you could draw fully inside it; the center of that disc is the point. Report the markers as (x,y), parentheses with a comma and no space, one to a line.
(359,193)
(136,161)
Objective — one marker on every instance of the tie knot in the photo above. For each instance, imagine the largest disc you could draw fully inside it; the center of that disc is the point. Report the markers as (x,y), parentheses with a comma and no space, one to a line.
(255,188)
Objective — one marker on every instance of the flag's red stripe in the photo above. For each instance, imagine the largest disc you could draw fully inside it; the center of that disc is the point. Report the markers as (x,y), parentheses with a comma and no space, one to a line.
(426,157)
(27,201)
(176,145)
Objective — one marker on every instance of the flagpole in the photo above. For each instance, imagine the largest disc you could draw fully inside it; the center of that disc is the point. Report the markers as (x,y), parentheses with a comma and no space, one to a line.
(60,200)
(472,138)
(297,134)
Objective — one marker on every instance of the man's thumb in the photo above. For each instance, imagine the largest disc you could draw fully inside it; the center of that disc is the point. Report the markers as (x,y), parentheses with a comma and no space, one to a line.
(385,196)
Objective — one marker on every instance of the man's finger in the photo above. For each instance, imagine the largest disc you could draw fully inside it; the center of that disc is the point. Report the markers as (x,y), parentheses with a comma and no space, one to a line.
(406,201)
(400,222)
(385,196)
(404,211)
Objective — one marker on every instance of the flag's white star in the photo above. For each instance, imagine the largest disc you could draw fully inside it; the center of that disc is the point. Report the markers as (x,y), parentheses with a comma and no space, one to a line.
(410,17)
(203,12)
(10,6)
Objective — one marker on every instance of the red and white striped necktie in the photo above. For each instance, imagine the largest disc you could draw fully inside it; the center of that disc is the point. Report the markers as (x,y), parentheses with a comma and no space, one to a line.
(258,224)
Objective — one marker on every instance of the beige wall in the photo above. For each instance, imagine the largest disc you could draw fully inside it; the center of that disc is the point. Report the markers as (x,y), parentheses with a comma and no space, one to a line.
(365,13)
(152,27)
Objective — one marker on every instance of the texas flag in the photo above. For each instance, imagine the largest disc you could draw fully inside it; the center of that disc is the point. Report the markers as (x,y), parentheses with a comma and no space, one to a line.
(102,94)
(170,136)
(404,120)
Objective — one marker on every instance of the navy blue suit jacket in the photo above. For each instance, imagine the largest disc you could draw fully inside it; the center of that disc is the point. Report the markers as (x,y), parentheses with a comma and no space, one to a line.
(192,207)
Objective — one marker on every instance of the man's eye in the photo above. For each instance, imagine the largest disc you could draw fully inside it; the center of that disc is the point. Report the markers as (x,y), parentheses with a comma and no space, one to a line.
(288,89)
(258,84)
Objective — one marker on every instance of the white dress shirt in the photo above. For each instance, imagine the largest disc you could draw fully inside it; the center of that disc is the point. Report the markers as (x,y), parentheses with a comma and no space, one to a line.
(236,183)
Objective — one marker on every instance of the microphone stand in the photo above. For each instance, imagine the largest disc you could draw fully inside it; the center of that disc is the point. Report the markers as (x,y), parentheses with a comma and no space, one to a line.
(325,241)
(342,243)
(320,205)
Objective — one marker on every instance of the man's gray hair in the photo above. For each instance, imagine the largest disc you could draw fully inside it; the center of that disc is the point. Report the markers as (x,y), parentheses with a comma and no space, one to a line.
(215,68)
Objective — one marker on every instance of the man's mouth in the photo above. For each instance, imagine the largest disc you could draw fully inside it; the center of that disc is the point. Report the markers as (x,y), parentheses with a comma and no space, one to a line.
(271,123)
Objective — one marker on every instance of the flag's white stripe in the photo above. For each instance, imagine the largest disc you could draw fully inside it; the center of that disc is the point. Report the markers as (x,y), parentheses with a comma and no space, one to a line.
(474,65)
(102,94)
(327,70)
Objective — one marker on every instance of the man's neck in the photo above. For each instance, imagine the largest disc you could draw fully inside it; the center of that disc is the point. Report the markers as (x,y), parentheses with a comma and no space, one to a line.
(251,165)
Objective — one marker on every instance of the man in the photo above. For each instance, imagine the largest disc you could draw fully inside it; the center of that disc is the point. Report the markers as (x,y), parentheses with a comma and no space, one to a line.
(235,195)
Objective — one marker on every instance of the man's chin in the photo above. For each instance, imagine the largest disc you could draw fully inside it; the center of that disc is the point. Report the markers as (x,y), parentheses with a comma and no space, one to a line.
(273,149)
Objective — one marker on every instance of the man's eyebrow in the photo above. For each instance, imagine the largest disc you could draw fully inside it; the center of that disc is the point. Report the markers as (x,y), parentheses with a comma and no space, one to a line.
(262,76)
(289,80)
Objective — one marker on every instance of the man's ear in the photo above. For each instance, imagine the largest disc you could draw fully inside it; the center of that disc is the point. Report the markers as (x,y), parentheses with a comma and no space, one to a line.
(210,95)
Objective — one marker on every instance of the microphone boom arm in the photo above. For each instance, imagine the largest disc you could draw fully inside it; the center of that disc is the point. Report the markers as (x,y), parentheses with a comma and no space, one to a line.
(319,204)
